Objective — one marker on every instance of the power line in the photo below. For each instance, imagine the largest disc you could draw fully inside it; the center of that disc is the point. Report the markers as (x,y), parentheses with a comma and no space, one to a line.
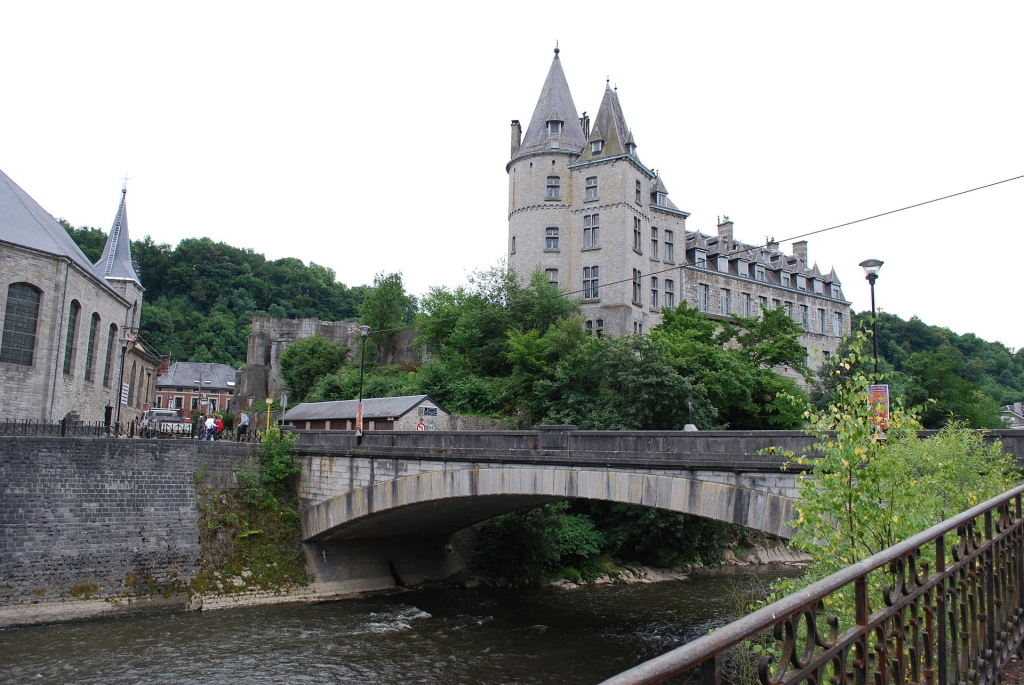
(747,248)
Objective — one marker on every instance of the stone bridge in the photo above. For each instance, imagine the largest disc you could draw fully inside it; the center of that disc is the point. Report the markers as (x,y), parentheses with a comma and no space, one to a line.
(401,484)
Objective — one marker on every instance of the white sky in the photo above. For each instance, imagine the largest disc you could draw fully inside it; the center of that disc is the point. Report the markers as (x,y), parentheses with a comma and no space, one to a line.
(372,137)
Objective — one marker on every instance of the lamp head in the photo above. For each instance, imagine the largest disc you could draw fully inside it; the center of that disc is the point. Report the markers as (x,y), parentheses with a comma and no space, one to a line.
(871,268)
(364,331)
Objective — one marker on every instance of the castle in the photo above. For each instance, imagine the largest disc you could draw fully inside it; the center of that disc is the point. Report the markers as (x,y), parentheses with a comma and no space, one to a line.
(599,223)
(69,347)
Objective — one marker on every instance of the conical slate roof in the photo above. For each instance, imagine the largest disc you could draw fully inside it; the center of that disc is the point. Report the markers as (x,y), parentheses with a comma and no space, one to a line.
(555,103)
(116,261)
(23,222)
(612,124)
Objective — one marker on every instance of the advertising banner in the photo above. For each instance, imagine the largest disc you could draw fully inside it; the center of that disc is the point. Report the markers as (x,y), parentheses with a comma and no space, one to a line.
(878,403)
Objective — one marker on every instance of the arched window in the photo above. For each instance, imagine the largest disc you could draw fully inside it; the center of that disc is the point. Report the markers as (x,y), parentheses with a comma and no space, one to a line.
(69,344)
(20,319)
(90,352)
(111,336)
(131,386)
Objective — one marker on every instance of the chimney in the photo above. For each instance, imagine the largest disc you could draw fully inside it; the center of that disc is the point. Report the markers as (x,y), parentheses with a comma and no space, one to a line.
(773,244)
(585,123)
(1018,407)
(517,136)
(800,250)
(725,230)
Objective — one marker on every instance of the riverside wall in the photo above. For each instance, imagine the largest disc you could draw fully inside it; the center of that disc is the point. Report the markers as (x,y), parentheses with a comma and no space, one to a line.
(114,520)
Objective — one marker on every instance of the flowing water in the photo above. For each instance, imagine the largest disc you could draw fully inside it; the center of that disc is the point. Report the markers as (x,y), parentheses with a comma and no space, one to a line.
(483,635)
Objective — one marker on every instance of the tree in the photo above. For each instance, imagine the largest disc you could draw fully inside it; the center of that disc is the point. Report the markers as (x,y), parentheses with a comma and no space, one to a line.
(736,366)
(385,307)
(306,361)
(866,494)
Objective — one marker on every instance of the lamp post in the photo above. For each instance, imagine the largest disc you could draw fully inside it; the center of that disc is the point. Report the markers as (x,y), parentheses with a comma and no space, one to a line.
(125,341)
(871,268)
(364,331)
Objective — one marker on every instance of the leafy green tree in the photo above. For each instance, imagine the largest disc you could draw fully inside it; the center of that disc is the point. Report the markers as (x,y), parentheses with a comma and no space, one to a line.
(306,361)
(866,494)
(90,240)
(736,366)
(386,306)
(656,536)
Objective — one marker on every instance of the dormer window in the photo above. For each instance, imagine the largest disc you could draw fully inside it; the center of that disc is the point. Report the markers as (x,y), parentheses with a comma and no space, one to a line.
(700,258)
(801,283)
(835,292)
(631,150)
(554,128)
(595,147)
(816,286)
(759,272)
(743,269)
(784,279)
(661,199)
(722,264)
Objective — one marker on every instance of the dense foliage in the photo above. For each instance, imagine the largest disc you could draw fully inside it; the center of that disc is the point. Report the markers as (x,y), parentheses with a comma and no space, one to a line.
(201,296)
(526,546)
(868,494)
(958,377)
(499,348)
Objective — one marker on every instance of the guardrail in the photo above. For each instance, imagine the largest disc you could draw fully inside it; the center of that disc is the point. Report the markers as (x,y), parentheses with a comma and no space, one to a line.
(960,624)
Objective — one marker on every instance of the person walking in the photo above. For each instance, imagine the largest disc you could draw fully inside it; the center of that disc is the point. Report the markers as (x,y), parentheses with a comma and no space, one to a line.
(219,424)
(243,427)
(211,427)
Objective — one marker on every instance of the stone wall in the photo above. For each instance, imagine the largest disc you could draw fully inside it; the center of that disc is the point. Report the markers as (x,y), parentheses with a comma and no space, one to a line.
(98,518)
(42,391)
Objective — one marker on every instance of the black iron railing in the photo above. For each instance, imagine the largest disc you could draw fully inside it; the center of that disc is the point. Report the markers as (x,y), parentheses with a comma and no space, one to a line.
(100,429)
(958,625)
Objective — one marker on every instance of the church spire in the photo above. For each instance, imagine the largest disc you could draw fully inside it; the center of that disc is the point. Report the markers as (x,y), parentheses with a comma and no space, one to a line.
(116,261)
(555,124)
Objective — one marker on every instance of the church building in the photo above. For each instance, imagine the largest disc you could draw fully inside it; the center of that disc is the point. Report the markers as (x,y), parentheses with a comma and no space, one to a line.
(599,223)
(70,339)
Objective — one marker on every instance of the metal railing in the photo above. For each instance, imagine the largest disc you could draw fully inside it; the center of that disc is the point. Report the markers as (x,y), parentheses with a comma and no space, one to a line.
(959,625)
(100,429)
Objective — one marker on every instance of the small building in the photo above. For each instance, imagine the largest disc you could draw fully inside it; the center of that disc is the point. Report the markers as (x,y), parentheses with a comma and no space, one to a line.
(379,413)
(1013,414)
(196,386)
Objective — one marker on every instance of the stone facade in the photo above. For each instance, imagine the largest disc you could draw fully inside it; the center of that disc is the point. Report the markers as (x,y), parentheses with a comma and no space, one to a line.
(588,213)
(102,518)
(73,365)
(270,337)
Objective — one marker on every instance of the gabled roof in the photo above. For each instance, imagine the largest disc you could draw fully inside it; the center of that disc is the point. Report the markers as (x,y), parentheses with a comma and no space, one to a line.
(185,375)
(555,100)
(116,261)
(23,222)
(376,407)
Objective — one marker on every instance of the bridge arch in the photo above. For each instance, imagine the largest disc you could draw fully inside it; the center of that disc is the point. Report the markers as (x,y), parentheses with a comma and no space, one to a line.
(443,501)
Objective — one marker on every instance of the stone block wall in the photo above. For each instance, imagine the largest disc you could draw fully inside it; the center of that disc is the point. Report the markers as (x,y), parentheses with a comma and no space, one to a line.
(94,517)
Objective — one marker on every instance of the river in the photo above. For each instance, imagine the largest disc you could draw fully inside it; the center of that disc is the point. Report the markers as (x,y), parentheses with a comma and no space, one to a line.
(482,635)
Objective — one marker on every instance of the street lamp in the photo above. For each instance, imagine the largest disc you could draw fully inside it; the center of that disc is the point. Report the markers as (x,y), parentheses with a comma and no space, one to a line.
(125,341)
(871,268)
(363,331)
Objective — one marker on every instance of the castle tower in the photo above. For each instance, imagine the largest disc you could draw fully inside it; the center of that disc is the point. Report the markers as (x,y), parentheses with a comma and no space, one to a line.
(580,210)
(540,193)
(118,268)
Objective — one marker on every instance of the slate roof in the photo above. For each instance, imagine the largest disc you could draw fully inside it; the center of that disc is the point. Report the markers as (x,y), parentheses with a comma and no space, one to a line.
(23,222)
(116,260)
(185,375)
(555,102)
(373,408)
(612,124)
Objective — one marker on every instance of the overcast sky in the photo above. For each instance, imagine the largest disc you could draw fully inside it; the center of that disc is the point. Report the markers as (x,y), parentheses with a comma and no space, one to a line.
(373,137)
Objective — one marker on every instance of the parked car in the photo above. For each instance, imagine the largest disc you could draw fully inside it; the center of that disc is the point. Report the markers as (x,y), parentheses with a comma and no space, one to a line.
(162,422)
